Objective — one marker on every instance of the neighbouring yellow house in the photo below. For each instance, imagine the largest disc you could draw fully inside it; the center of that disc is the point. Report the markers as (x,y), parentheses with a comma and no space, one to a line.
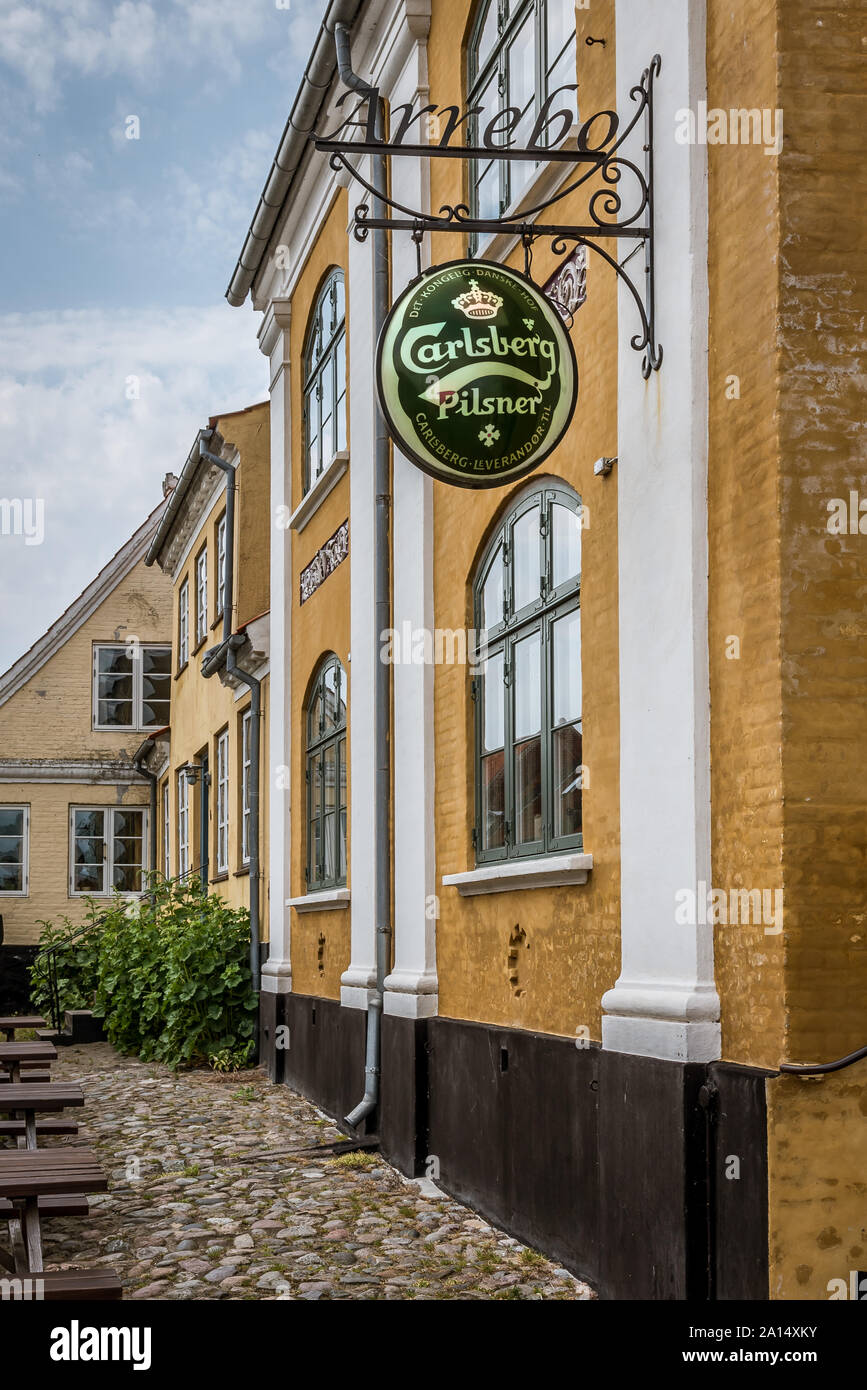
(75,818)
(207,769)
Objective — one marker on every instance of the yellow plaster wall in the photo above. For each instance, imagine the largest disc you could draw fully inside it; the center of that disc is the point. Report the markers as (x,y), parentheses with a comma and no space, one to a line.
(320,940)
(571,953)
(51,717)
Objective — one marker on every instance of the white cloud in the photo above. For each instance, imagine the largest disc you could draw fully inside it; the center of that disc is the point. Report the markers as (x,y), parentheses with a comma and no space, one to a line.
(69,434)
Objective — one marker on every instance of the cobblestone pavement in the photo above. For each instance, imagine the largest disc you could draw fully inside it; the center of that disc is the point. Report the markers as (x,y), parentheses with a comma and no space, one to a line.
(205,1202)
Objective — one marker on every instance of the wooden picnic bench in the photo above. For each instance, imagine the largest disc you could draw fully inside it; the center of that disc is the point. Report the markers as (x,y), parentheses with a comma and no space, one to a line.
(26,1100)
(28,1174)
(14,1055)
(9,1022)
(61,1285)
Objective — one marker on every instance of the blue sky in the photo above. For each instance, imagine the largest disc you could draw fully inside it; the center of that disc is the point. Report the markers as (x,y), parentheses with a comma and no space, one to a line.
(117,253)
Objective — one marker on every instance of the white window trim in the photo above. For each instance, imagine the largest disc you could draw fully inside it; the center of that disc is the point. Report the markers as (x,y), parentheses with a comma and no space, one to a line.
(221,565)
(509,875)
(183,624)
(325,483)
(108,857)
(137,685)
(183,824)
(223,802)
(24,890)
(324,900)
(167,821)
(246,774)
(201,595)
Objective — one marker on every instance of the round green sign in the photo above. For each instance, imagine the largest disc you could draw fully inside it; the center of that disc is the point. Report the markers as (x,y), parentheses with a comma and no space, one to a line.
(476,374)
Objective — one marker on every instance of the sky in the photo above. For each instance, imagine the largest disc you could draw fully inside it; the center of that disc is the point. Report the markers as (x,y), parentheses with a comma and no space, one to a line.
(116,343)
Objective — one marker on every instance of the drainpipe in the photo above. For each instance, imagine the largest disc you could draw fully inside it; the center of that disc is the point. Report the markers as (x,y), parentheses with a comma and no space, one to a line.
(138,763)
(382,608)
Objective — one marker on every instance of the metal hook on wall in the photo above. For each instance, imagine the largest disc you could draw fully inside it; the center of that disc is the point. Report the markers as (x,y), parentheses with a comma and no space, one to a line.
(527,243)
(417,234)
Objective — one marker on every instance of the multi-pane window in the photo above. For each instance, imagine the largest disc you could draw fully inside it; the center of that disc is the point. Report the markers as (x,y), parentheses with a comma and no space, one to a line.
(167,847)
(326,777)
(131,686)
(521,51)
(325,380)
(183,624)
(106,849)
(201,596)
(246,773)
(183,825)
(223,802)
(221,565)
(528,694)
(14,842)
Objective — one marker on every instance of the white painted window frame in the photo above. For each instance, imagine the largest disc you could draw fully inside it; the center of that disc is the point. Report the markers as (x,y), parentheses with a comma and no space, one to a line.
(24,890)
(137,685)
(246,773)
(183,624)
(202,595)
(183,825)
(167,851)
(223,802)
(108,814)
(221,566)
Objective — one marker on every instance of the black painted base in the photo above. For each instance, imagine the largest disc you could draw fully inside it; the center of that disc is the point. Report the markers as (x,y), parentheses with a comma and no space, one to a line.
(612,1164)
(15,963)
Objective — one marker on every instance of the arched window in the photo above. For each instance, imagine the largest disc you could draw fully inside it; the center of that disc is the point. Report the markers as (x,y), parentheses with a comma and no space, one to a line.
(325,379)
(528,690)
(326,777)
(519,53)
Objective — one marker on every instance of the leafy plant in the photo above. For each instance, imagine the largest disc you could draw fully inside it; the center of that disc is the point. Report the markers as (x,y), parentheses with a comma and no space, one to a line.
(168,973)
(76,958)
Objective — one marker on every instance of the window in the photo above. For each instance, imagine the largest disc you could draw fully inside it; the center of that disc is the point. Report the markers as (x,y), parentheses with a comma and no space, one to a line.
(183,624)
(521,51)
(325,380)
(221,565)
(131,686)
(528,693)
(326,777)
(167,847)
(201,595)
(183,825)
(106,849)
(246,766)
(223,802)
(14,847)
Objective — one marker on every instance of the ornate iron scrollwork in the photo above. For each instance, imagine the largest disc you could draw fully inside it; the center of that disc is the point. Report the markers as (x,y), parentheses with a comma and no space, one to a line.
(611,213)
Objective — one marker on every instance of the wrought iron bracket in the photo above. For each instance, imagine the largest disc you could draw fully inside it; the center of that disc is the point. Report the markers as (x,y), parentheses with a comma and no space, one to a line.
(599,169)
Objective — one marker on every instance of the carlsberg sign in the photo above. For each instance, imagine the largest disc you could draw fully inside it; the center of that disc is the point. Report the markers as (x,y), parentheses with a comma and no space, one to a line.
(476,374)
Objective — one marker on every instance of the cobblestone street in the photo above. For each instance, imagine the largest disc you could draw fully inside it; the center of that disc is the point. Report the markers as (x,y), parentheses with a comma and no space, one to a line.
(215,1194)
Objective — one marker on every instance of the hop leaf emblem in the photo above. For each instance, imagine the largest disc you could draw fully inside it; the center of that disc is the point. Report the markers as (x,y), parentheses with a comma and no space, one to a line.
(488,435)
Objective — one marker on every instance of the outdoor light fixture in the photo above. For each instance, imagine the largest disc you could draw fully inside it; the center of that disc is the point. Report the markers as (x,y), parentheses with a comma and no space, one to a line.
(191,772)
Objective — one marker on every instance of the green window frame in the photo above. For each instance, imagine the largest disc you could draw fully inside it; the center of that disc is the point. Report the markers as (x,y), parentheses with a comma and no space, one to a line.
(529,768)
(324,371)
(520,51)
(325,777)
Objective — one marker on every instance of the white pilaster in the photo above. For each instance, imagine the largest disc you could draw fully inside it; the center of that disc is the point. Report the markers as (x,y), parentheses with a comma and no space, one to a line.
(274,343)
(665,1003)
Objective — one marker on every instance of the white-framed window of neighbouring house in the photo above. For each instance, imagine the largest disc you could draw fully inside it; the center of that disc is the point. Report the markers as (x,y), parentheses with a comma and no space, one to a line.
(201,595)
(221,566)
(107,850)
(183,624)
(183,825)
(131,685)
(167,844)
(223,802)
(324,371)
(14,851)
(246,773)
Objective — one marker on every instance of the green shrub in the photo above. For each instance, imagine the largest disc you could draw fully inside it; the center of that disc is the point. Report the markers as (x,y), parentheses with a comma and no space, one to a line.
(171,976)
(76,956)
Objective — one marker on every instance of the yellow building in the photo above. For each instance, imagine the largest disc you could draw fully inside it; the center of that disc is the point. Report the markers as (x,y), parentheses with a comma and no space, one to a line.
(74,809)
(210,787)
(597,978)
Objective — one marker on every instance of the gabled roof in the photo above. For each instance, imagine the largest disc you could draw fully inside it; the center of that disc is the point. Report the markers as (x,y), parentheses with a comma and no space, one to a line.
(78,612)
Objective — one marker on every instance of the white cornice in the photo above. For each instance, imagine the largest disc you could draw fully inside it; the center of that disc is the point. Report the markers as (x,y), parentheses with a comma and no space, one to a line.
(83,608)
(24,770)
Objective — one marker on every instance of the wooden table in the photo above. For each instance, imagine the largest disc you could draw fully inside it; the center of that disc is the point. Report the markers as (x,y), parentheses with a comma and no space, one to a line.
(25,1099)
(13,1054)
(28,1174)
(8,1023)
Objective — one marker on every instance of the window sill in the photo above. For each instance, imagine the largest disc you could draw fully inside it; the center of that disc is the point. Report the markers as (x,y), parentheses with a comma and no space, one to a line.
(181,669)
(201,642)
(325,483)
(554,871)
(243,872)
(324,900)
(541,184)
(221,877)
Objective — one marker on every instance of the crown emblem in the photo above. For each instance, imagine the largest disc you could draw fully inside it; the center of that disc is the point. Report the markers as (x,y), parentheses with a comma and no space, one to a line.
(478,304)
